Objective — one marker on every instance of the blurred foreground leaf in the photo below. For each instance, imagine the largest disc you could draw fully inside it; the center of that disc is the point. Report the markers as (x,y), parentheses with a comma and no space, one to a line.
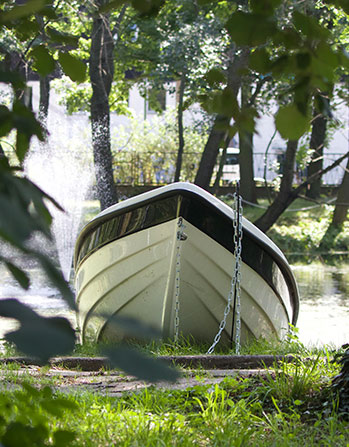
(250,29)
(23,10)
(291,123)
(38,336)
(73,67)
(139,365)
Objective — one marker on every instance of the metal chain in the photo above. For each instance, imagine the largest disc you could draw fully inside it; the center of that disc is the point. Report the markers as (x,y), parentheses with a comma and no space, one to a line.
(237,297)
(236,279)
(181,236)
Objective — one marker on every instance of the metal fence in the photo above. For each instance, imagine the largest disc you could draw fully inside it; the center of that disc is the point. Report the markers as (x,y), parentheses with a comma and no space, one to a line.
(149,168)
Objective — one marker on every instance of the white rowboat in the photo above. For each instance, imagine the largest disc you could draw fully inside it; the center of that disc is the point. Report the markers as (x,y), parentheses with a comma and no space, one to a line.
(130,262)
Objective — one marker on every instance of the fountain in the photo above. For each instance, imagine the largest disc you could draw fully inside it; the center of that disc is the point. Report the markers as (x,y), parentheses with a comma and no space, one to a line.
(62,167)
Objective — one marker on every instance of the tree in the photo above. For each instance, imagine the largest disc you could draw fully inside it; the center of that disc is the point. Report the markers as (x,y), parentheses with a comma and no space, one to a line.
(225,106)
(248,188)
(186,41)
(340,212)
(307,57)
(101,70)
(317,141)
(282,200)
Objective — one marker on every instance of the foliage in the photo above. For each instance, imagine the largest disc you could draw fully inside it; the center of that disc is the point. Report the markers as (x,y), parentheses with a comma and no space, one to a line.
(340,383)
(301,228)
(145,151)
(26,416)
(292,46)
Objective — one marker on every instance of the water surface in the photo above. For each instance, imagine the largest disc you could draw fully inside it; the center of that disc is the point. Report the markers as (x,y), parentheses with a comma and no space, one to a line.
(324,306)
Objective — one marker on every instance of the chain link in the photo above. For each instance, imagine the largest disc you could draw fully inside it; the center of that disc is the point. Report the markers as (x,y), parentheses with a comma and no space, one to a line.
(235,285)
(237,297)
(181,236)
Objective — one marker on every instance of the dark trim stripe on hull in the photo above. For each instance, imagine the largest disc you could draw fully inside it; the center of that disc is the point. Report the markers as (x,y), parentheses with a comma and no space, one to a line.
(207,218)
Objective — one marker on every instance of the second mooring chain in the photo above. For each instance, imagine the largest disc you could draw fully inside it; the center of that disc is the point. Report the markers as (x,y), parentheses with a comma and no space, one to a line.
(235,288)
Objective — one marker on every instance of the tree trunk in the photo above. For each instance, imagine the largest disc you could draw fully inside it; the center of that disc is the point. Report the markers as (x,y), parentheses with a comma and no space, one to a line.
(44,100)
(342,202)
(180,129)
(248,188)
(339,214)
(286,195)
(221,124)
(317,141)
(101,74)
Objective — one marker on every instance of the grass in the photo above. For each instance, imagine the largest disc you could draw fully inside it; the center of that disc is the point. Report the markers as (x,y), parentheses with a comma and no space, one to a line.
(255,411)
(300,229)
(187,346)
(292,405)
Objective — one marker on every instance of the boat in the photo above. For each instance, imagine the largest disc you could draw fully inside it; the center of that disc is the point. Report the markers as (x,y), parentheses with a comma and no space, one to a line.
(166,258)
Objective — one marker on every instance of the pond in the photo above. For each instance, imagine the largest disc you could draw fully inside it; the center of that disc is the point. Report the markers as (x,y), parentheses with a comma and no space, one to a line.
(324,307)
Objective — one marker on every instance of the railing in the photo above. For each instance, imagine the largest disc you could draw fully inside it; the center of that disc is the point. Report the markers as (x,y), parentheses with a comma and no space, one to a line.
(149,168)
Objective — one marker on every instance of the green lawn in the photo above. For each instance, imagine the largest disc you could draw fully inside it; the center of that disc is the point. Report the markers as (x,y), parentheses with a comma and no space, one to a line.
(292,405)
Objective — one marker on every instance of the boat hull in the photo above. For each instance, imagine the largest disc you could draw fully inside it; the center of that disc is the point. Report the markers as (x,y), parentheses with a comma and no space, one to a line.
(149,274)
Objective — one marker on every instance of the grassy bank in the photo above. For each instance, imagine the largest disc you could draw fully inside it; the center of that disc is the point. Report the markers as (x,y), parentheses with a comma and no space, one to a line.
(290,405)
(300,229)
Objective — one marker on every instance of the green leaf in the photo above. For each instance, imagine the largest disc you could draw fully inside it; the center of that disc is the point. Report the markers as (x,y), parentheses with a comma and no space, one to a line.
(22,145)
(265,7)
(62,38)
(43,61)
(31,391)
(11,308)
(215,76)
(303,60)
(222,102)
(13,78)
(245,119)
(289,37)
(5,121)
(111,5)
(38,336)
(27,125)
(73,67)
(49,12)
(291,123)
(283,66)
(56,279)
(250,29)
(26,9)
(309,26)
(344,5)
(15,224)
(19,434)
(20,276)
(44,338)
(259,61)
(137,364)
(63,438)
(148,8)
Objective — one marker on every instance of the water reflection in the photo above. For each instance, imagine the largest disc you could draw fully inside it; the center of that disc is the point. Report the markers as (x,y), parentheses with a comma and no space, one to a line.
(323,317)
(324,309)
(41,296)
